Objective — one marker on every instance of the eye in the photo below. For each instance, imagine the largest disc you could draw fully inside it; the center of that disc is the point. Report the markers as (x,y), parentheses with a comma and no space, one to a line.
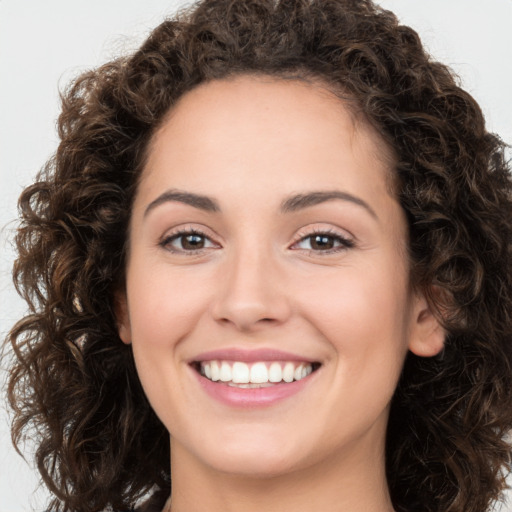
(323,242)
(187,241)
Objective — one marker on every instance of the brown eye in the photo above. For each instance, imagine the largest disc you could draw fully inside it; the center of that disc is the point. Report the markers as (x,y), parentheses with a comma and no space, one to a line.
(187,242)
(322,242)
(191,242)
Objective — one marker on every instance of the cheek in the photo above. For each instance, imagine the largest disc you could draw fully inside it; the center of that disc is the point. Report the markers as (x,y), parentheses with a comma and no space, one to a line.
(165,304)
(365,321)
(364,318)
(356,302)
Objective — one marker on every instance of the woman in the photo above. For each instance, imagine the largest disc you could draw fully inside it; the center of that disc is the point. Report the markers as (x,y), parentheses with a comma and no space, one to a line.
(274,243)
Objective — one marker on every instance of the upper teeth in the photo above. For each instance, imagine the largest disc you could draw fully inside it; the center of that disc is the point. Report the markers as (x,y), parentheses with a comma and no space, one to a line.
(255,373)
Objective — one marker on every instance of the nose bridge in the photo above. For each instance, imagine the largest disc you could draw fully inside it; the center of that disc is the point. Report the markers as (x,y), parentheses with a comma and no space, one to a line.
(251,293)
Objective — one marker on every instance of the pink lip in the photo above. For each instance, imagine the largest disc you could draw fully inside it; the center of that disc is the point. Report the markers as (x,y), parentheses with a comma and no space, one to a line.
(248,356)
(252,397)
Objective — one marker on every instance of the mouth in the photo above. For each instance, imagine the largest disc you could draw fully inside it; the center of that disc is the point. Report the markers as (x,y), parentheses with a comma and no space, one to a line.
(257,374)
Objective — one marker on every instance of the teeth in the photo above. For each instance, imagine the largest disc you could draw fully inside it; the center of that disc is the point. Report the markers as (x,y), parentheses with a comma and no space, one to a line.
(275,373)
(288,371)
(240,373)
(251,385)
(259,374)
(215,371)
(225,372)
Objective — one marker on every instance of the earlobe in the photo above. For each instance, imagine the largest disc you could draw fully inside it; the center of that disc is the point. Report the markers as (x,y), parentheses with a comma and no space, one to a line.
(122,317)
(427,335)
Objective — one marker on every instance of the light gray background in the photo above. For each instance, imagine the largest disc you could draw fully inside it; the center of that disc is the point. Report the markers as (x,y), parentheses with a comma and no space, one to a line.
(46,43)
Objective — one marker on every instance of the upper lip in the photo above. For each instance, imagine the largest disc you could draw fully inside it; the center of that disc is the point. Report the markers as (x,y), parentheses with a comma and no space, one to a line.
(248,356)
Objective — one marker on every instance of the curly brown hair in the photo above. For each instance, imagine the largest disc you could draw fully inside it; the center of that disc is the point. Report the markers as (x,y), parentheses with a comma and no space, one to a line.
(75,384)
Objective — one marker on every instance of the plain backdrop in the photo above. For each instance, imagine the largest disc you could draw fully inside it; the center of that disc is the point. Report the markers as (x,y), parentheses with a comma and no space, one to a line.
(44,44)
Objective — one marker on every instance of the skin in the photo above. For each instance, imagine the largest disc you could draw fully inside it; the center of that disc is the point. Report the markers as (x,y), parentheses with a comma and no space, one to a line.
(259,281)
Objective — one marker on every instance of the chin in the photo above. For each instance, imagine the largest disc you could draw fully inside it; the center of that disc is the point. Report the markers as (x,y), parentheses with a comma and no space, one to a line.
(257,464)
(256,456)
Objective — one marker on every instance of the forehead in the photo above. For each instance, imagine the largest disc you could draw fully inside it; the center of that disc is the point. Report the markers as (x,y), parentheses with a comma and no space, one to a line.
(250,144)
(247,118)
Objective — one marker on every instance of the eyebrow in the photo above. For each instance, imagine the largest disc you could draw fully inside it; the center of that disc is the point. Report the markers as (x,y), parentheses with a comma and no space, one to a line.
(196,200)
(292,204)
(301,201)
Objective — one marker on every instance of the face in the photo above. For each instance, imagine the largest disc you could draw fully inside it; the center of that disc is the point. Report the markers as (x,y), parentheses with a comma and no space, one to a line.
(267,293)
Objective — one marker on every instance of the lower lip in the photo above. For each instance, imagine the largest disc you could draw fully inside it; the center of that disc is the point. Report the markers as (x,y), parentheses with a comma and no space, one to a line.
(252,397)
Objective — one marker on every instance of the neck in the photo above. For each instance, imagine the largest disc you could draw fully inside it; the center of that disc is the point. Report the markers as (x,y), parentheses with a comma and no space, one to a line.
(357,483)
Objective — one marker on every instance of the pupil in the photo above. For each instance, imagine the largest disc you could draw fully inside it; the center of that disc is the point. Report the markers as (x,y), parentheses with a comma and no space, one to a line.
(322,242)
(193,242)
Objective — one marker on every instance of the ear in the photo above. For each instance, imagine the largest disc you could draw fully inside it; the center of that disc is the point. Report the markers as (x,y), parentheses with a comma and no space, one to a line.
(427,335)
(122,317)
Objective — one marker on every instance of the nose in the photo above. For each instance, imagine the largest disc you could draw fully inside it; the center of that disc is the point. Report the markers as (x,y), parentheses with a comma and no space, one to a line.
(252,293)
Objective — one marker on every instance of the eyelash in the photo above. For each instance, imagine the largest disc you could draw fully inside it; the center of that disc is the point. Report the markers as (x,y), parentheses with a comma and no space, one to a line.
(344,242)
(167,240)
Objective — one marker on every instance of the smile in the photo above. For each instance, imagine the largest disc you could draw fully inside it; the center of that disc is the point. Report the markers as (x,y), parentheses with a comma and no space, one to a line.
(255,375)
